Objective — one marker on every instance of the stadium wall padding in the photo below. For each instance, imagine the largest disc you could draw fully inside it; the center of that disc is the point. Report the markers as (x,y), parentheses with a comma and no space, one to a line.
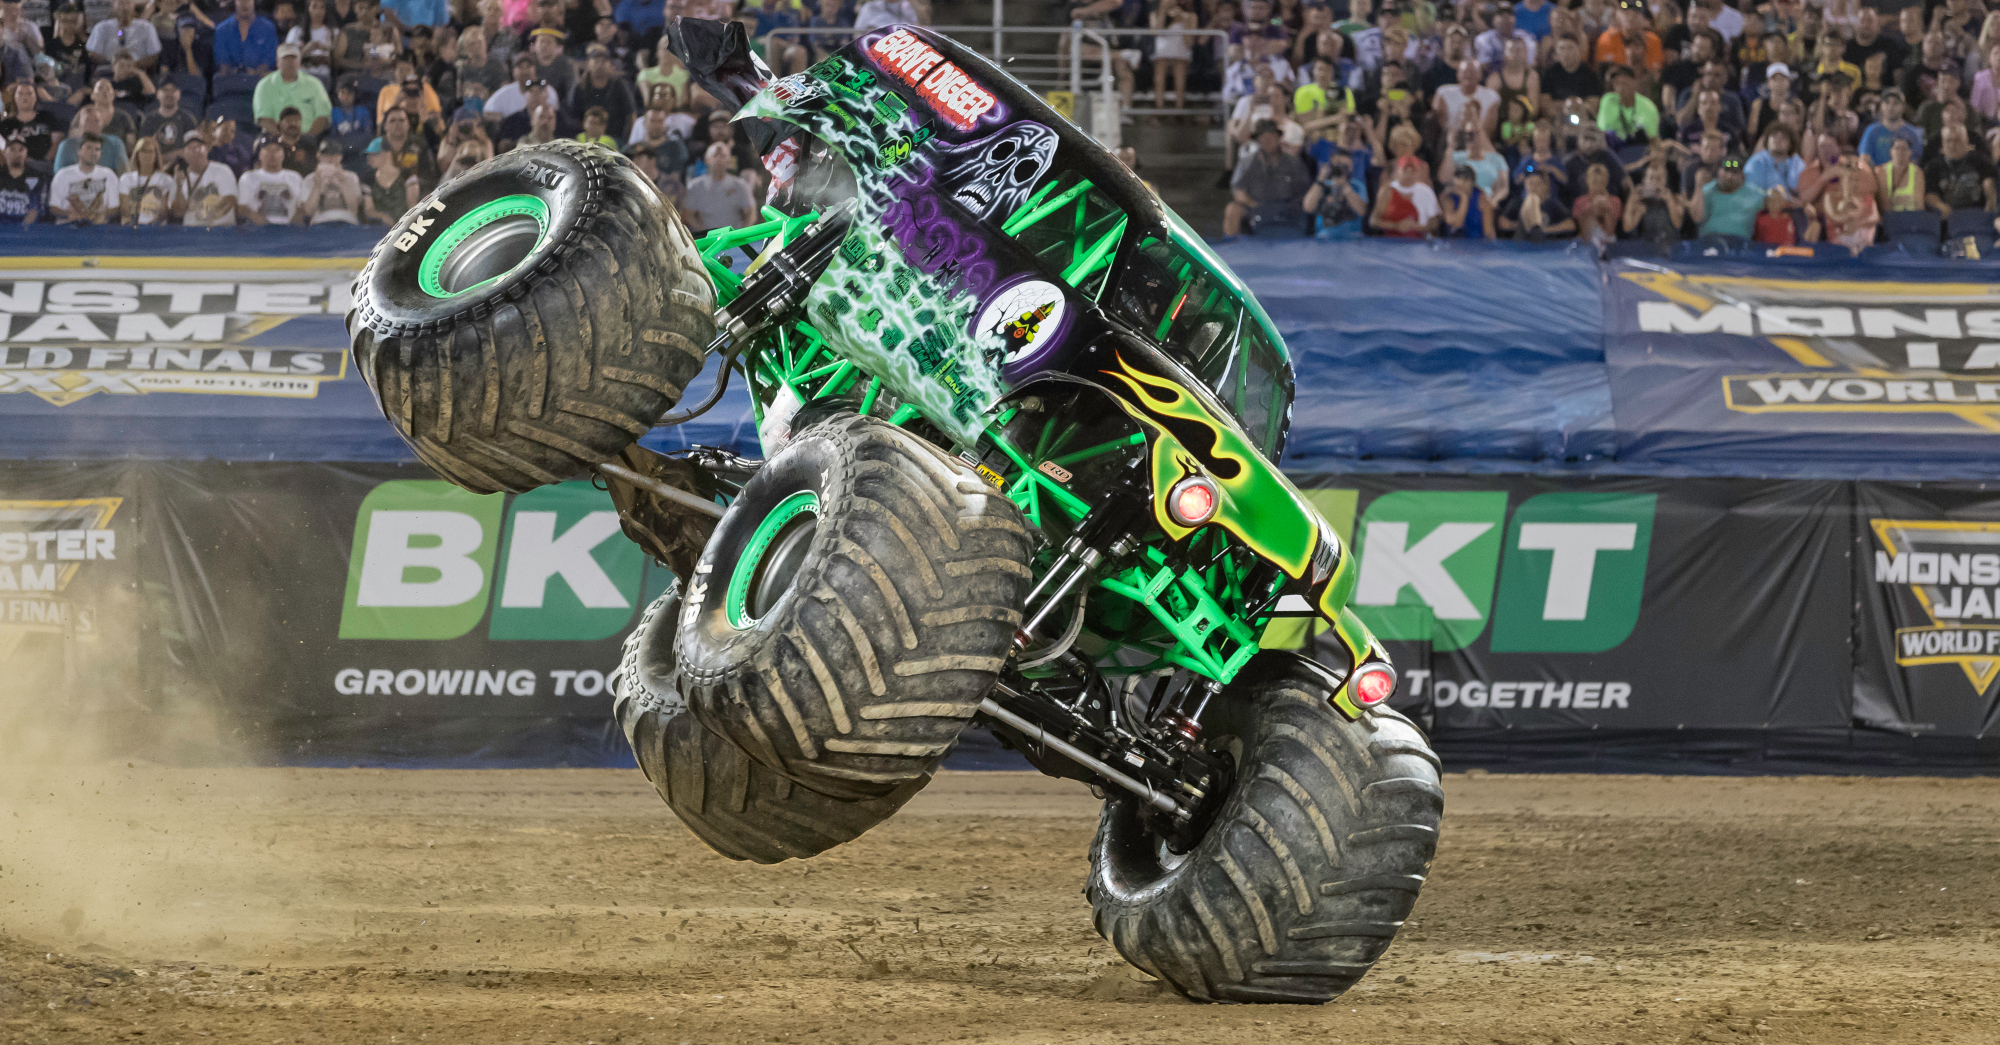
(1731,515)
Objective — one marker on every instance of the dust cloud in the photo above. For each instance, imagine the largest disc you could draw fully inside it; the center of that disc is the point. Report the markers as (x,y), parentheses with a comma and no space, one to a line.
(103,850)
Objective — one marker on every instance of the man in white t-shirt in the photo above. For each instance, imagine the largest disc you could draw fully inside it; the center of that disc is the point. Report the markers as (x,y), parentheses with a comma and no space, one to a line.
(269,194)
(207,191)
(1451,98)
(512,97)
(85,193)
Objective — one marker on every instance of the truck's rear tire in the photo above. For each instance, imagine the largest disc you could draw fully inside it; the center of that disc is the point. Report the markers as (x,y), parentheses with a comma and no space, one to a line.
(740,809)
(853,608)
(532,318)
(1310,865)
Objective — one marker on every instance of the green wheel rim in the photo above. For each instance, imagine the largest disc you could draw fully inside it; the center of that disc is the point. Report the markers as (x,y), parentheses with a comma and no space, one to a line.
(737,603)
(483,246)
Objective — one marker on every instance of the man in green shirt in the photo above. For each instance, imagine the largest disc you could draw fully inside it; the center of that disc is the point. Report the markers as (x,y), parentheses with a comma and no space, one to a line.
(1629,117)
(288,88)
(1322,97)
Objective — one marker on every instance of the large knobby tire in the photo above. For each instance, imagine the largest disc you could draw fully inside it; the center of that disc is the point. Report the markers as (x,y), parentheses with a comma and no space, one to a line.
(853,608)
(1308,870)
(533,317)
(740,809)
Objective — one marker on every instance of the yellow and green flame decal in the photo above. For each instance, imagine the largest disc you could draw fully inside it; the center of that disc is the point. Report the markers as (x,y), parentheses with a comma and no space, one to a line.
(1258,504)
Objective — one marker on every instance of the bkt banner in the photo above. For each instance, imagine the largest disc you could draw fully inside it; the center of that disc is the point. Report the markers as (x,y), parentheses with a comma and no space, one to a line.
(1614,603)
(371,613)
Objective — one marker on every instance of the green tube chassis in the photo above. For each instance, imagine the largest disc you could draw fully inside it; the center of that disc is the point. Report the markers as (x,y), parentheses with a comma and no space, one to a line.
(1014,293)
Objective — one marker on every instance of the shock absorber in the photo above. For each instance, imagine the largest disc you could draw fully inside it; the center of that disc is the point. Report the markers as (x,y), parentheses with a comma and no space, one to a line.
(1105,528)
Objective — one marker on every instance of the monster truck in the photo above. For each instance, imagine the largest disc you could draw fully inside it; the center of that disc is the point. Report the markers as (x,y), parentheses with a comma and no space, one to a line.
(1018,426)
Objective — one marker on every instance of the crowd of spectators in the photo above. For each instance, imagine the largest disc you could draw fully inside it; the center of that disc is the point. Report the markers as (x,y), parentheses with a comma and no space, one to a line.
(1777,121)
(297,112)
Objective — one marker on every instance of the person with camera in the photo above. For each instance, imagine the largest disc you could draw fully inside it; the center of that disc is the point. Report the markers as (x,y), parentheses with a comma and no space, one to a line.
(332,193)
(204,189)
(1338,208)
(1537,213)
(1653,211)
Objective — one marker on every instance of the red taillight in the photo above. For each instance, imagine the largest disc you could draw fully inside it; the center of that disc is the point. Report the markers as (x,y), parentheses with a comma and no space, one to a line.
(1373,684)
(1192,501)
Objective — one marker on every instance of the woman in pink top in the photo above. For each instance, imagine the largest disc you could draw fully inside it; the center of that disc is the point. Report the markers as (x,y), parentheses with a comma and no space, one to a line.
(1985,93)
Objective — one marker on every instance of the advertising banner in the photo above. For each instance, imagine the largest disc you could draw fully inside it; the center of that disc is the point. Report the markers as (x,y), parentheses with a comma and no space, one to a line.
(70,613)
(1621,604)
(1894,378)
(1927,576)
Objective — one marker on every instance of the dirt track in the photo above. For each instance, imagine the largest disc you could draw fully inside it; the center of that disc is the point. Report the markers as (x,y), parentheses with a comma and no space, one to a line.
(567,906)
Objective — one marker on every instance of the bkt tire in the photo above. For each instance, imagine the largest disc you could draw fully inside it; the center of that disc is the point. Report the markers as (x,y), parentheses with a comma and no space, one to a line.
(739,808)
(853,608)
(1311,865)
(532,318)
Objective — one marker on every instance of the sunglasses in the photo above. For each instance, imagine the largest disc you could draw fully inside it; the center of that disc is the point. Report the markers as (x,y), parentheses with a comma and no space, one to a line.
(1732,165)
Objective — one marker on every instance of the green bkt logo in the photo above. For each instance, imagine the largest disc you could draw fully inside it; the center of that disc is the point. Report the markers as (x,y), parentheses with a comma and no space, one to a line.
(425,551)
(1570,568)
(1952,570)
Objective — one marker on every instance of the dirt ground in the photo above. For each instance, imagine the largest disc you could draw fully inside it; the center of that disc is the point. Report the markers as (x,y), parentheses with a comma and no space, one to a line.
(268,906)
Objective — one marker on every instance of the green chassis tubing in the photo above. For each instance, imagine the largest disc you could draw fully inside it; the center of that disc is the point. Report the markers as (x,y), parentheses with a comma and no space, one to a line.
(1194,616)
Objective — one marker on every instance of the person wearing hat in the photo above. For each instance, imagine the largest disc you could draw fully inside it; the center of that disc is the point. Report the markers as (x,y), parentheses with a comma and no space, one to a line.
(204,189)
(1727,206)
(1629,42)
(268,194)
(409,84)
(1889,126)
(123,32)
(189,47)
(68,44)
(332,193)
(1626,113)
(512,96)
(540,95)
(545,45)
(246,42)
(1269,188)
(291,88)
(348,115)
(670,182)
(602,88)
(1537,213)
(299,149)
(20,185)
(390,193)
(168,122)
(1406,207)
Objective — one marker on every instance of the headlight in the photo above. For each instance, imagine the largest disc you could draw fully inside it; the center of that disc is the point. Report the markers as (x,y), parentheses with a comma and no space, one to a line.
(1193,500)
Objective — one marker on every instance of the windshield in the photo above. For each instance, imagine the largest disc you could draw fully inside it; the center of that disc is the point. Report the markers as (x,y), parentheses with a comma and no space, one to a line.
(1201,322)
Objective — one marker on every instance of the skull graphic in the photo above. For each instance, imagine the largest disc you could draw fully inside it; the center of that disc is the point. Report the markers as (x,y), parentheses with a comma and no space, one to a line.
(993,175)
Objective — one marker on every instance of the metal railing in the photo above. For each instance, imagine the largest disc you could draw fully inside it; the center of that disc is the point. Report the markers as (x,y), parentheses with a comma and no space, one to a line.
(1063,70)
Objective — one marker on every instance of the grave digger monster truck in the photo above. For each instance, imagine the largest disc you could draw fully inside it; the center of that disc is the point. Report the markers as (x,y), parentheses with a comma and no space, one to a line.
(1019,428)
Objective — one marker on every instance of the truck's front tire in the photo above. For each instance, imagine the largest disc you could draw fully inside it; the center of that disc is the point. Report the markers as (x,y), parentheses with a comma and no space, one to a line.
(853,608)
(739,808)
(1309,867)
